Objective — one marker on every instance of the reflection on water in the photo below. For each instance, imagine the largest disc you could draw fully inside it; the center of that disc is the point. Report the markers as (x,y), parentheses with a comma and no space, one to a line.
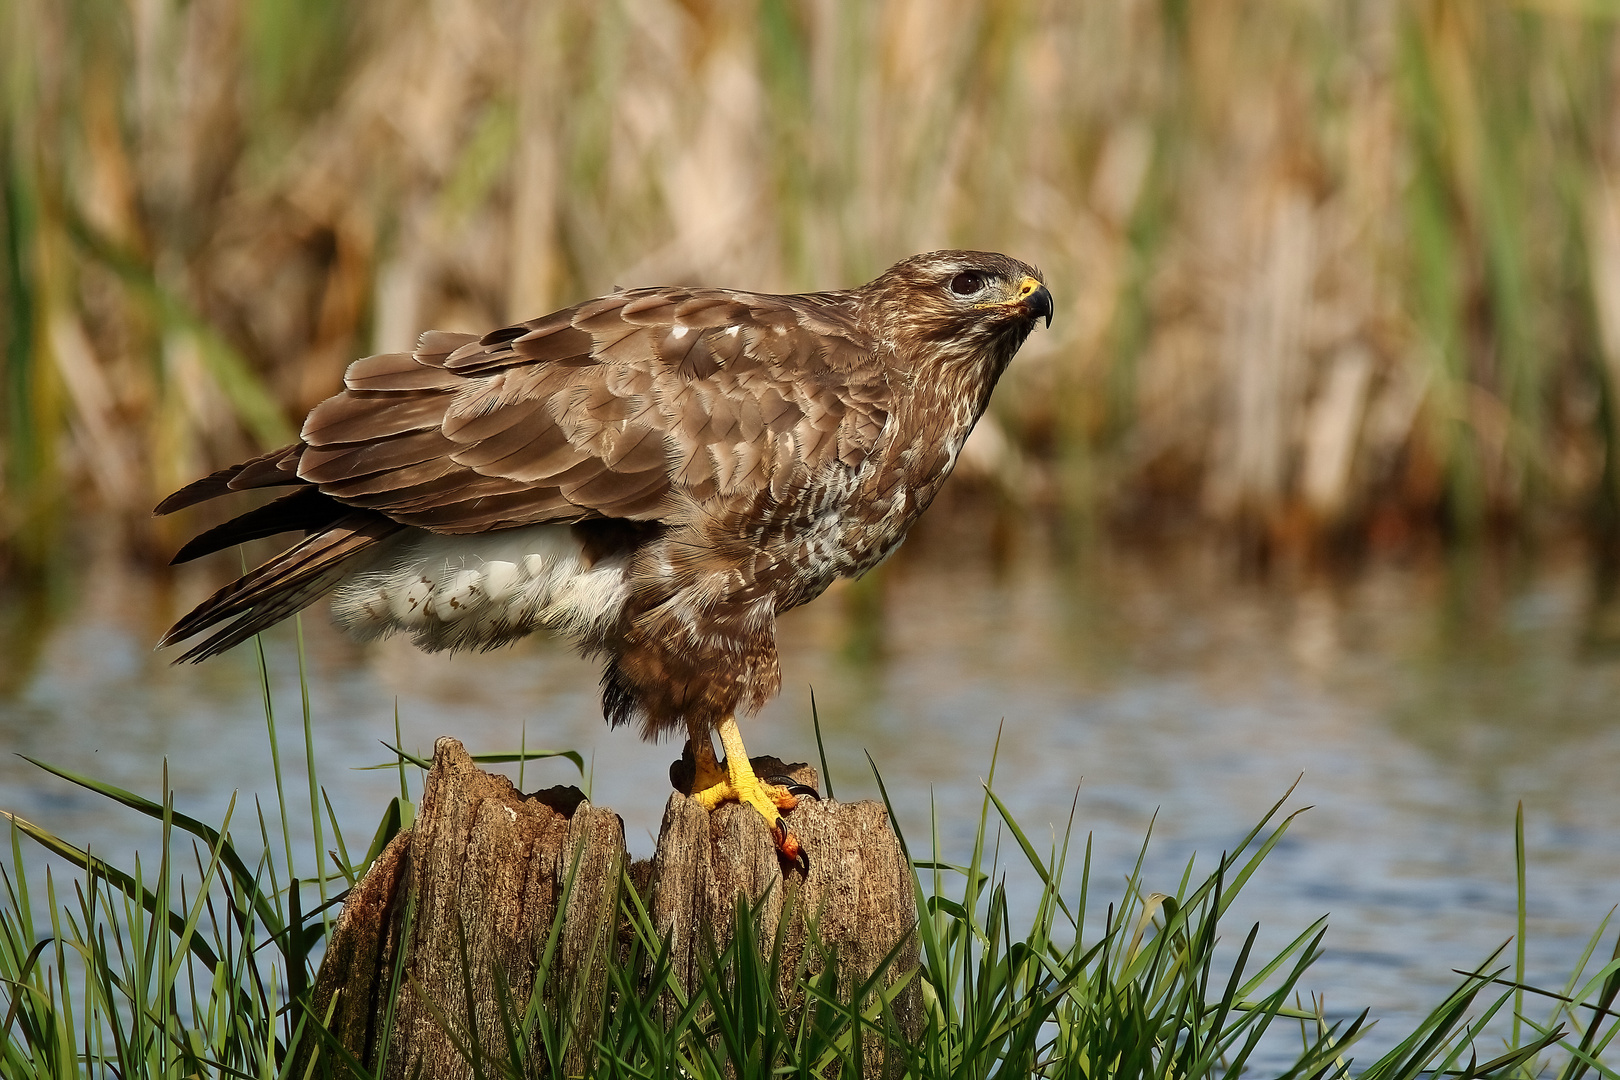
(1421,704)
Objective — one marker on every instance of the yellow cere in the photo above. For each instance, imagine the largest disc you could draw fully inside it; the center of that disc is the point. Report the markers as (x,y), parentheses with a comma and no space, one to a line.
(1025,288)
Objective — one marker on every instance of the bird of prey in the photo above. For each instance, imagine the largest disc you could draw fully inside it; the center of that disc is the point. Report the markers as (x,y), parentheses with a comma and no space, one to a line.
(656,474)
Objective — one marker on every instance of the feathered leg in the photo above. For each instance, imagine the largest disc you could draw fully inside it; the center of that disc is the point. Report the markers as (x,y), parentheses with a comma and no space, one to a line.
(715,782)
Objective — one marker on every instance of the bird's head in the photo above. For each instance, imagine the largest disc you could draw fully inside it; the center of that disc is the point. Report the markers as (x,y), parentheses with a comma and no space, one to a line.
(975,303)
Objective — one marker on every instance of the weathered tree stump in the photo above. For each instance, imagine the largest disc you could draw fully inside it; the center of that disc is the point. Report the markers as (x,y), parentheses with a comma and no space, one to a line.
(856,900)
(486,865)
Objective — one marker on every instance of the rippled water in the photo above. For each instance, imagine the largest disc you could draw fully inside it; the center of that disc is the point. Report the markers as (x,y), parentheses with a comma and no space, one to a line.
(1421,703)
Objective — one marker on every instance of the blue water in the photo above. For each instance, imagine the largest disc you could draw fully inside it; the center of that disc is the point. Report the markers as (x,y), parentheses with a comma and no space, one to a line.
(1419,703)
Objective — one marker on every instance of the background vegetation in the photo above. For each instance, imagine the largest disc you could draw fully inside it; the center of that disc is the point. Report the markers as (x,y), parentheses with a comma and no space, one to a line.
(1324,267)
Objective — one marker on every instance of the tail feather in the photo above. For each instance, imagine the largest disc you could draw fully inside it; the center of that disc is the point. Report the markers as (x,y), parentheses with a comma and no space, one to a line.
(286,584)
(262,616)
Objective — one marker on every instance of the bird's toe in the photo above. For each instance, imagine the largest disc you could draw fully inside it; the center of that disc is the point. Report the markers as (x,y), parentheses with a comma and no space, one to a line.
(788,847)
(793,787)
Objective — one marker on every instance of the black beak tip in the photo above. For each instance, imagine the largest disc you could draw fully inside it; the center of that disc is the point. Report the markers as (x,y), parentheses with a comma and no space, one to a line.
(1040,305)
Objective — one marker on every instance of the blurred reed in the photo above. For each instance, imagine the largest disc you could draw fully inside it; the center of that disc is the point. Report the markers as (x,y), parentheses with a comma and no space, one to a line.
(1323,267)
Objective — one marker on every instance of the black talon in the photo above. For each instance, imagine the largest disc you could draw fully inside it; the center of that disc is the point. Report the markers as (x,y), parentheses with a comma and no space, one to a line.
(793,786)
(780,834)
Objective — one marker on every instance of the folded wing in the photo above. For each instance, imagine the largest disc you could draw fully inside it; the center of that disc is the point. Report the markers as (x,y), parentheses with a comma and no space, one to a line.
(636,406)
(616,408)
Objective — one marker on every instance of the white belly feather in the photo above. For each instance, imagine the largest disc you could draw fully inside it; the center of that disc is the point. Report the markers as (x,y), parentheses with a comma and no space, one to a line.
(478,591)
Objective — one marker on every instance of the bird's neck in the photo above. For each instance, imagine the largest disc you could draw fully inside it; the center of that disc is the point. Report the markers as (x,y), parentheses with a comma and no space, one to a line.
(933,418)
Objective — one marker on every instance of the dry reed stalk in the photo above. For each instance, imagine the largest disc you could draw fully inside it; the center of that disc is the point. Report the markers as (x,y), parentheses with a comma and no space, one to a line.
(1300,251)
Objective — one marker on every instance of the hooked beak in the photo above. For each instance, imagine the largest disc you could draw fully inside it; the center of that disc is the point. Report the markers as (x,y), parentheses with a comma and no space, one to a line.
(1036,299)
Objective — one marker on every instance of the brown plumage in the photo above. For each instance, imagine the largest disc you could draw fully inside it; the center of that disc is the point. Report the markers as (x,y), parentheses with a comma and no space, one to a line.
(657,473)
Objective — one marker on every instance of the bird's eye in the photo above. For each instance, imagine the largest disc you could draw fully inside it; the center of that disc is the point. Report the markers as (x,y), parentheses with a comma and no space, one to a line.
(967,283)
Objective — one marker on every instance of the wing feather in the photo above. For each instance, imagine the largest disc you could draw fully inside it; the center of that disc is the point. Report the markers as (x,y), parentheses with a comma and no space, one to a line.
(306,509)
(348,460)
(364,416)
(267,470)
(563,343)
(377,489)
(396,372)
(629,405)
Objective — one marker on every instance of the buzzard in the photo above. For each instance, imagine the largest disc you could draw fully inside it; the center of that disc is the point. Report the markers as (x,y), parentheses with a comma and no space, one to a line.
(656,474)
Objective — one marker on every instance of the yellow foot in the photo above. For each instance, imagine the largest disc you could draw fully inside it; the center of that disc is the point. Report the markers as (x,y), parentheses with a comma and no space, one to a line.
(734,779)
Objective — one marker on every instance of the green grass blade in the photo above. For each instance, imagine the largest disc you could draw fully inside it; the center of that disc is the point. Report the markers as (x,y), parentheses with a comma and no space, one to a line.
(125,883)
(206,833)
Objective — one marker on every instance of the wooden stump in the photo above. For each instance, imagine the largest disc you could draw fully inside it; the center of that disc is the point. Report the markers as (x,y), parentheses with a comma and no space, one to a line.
(857,899)
(486,865)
